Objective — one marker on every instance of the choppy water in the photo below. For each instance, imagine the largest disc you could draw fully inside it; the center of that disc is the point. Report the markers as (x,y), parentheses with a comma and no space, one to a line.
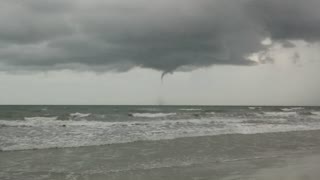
(42,127)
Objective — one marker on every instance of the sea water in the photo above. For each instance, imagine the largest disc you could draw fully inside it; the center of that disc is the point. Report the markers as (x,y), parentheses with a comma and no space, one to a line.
(140,142)
(41,127)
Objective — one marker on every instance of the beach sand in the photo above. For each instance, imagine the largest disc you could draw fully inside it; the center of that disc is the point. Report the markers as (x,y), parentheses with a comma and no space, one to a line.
(303,167)
(276,156)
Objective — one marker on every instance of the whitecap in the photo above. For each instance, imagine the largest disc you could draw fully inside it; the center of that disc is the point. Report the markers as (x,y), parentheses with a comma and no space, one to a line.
(316,114)
(292,109)
(80,115)
(190,109)
(40,118)
(280,114)
(152,115)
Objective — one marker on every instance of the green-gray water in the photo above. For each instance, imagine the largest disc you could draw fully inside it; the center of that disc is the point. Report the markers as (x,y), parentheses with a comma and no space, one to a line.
(150,142)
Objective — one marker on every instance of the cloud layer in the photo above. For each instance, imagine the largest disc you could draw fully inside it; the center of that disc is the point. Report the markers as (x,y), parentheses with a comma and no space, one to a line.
(104,35)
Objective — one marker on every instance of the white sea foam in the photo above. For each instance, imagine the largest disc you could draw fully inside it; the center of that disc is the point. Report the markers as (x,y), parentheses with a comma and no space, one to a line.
(190,109)
(152,115)
(316,114)
(42,119)
(280,114)
(39,133)
(150,109)
(80,115)
(252,108)
(292,109)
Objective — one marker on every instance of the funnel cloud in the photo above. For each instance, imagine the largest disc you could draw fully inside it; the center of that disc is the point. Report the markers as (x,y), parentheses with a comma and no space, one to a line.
(165,35)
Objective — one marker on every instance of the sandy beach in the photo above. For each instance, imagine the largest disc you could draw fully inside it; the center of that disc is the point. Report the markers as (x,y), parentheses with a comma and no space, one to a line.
(303,167)
(276,156)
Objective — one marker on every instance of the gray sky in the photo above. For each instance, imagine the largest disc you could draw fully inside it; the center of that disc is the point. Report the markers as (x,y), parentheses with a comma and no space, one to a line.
(235,52)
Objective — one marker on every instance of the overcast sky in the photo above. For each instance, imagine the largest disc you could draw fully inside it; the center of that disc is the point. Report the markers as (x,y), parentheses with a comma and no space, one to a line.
(211,52)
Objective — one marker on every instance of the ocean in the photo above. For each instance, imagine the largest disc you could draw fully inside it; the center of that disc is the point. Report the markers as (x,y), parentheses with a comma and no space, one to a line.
(149,142)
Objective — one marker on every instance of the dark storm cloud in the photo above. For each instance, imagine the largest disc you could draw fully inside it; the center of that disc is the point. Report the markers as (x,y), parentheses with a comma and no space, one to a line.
(31,22)
(288,19)
(163,35)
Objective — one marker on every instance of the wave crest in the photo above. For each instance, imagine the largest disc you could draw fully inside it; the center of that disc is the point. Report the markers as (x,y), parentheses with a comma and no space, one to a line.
(152,115)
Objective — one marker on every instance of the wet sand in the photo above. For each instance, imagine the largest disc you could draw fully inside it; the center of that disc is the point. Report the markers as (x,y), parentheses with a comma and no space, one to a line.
(300,167)
(283,156)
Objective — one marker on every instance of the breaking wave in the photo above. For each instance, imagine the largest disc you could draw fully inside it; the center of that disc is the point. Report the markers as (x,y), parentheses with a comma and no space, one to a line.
(152,115)
(40,119)
(280,114)
(190,109)
(42,133)
(79,115)
(316,114)
(292,109)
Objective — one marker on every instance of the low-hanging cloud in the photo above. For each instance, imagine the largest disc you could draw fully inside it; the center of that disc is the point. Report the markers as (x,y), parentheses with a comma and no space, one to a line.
(104,35)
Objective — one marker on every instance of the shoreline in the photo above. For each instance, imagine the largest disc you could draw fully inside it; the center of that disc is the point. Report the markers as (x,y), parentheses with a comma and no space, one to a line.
(224,157)
(297,132)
